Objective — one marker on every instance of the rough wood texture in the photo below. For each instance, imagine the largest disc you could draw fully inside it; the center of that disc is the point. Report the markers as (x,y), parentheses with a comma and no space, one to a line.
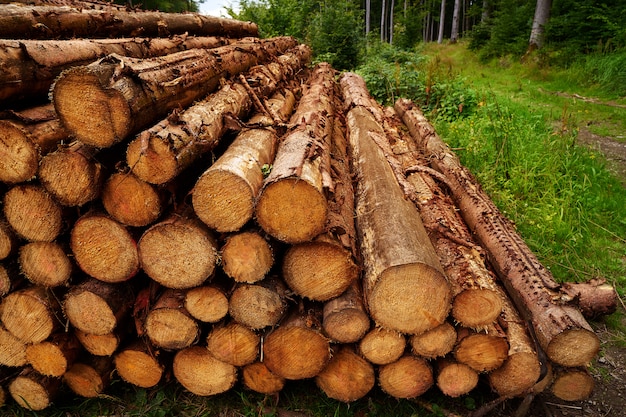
(247,257)
(33,391)
(8,240)
(404,286)
(573,384)
(258,378)
(201,373)
(30,314)
(168,325)
(54,356)
(139,365)
(482,351)
(234,343)
(12,349)
(561,329)
(594,298)
(455,379)
(259,305)
(345,319)
(381,346)
(206,303)
(347,377)
(90,378)
(434,343)
(98,345)
(128,94)
(408,377)
(45,263)
(132,201)
(32,213)
(292,205)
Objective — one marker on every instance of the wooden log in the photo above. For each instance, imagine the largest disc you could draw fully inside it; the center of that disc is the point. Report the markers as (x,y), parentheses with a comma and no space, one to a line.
(97,307)
(404,285)
(292,205)
(345,319)
(234,343)
(45,263)
(201,373)
(257,377)
(160,153)
(179,252)
(224,195)
(258,305)
(297,349)
(561,330)
(32,65)
(131,201)
(33,391)
(408,377)
(247,257)
(53,357)
(482,351)
(594,298)
(98,345)
(32,213)
(12,350)
(128,94)
(30,314)
(572,384)
(36,22)
(8,240)
(5,281)
(455,379)
(139,364)
(103,248)
(347,377)
(168,325)
(72,175)
(434,343)
(381,346)
(89,378)
(206,303)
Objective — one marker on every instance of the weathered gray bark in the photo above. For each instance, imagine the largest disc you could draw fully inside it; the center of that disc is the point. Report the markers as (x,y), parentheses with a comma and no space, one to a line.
(542,15)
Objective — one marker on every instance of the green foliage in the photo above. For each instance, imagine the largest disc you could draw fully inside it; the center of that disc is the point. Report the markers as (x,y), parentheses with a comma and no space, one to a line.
(607,70)
(170,6)
(278,17)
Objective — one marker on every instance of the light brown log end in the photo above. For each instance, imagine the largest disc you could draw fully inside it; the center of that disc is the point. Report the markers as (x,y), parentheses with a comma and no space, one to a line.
(93,114)
(456,379)
(32,213)
(94,306)
(435,342)
(258,378)
(84,380)
(19,156)
(256,306)
(574,347)
(52,358)
(201,373)
(33,391)
(234,343)
(482,352)
(476,308)
(382,346)
(138,367)
(206,303)
(319,270)
(572,384)
(5,281)
(98,345)
(131,201)
(223,201)
(45,263)
(408,377)
(517,375)
(347,377)
(171,329)
(151,159)
(409,298)
(28,315)
(292,210)
(12,350)
(247,257)
(347,325)
(8,241)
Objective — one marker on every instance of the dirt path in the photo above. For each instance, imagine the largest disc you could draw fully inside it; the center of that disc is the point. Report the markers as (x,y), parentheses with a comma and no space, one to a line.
(614,150)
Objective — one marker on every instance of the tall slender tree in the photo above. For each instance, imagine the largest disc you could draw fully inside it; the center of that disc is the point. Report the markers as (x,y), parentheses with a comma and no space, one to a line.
(442,19)
(455,21)
(542,15)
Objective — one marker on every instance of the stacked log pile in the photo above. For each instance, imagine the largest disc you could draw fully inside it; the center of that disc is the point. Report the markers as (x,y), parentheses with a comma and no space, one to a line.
(212,209)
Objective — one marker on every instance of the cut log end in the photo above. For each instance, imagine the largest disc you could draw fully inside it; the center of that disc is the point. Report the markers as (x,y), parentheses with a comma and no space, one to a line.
(410,298)
(201,373)
(131,201)
(12,350)
(27,315)
(517,375)
(347,325)
(84,380)
(171,329)
(33,213)
(95,116)
(98,345)
(45,263)
(256,306)
(247,257)
(476,308)
(408,377)
(482,352)
(32,392)
(347,377)
(381,346)
(435,342)
(575,347)
(153,162)
(456,379)
(89,313)
(19,157)
(258,378)
(292,210)
(234,344)
(207,304)
(573,385)
(138,367)
(223,201)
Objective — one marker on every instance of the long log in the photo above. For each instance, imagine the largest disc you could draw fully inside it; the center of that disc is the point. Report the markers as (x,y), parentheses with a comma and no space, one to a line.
(404,285)
(35,22)
(104,102)
(561,329)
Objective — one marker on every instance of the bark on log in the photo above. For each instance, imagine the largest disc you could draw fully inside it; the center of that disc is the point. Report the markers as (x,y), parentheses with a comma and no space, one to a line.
(168,325)
(560,328)
(124,95)
(35,22)
(139,364)
(32,391)
(104,249)
(179,252)
(72,175)
(345,319)
(234,343)
(132,201)
(297,349)
(201,373)
(434,343)
(97,307)
(483,352)
(404,286)
(53,357)
(455,379)
(30,66)
(12,349)
(99,345)
(594,298)
(292,205)
(90,378)
(30,314)
(381,346)
(32,213)
(258,378)
(259,305)
(347,377)
(45,264)
(572,384)
(408,377)
(206,303)
(247,257)
(224,195)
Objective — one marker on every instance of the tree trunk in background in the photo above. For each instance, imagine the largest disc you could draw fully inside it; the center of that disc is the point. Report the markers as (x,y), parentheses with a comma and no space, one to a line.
(455,21)
(542,15)
(442,17)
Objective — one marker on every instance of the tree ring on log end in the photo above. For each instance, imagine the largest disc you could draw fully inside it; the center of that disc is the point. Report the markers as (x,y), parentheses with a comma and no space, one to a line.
(476,308)
(574,347)
(19,156)
(408,377)
(292,210)
(84,380)
(410,298)
(155,163)
(94,115)
(518,373)
(171,329)
(223,201)
(138,368)
(201,373)
(27,317)
(482,352)
(90,313)
(573,385)
(29,394)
